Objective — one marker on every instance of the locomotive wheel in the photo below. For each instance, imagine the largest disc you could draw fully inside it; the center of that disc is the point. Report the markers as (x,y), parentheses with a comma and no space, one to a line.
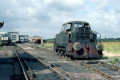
(58,52)
(61,53)
(69,57)
(65,54)
(101,56)
(72,58)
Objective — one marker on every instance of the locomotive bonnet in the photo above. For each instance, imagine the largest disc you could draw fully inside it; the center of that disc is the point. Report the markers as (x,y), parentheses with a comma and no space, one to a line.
(77,40)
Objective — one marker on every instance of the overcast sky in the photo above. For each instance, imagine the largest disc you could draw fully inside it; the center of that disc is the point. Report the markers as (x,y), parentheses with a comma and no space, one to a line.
(45,17)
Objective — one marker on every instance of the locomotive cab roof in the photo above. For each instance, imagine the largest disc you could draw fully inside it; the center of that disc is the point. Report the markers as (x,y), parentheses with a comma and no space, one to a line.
(71,22)
(74,25)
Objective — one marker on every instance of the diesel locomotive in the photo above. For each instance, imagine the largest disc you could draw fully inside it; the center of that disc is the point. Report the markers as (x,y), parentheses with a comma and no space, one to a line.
(77,40)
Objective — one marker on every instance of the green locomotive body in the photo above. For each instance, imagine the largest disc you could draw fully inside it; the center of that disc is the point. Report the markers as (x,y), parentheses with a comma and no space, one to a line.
(77,40)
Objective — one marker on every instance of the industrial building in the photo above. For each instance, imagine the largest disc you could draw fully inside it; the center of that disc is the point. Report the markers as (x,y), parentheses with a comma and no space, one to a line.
(4,38)
(36,39)
(23,38)
(14,36)
(26,37)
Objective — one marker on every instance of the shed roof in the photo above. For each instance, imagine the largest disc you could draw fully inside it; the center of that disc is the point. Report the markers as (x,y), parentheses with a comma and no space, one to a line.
(36,36)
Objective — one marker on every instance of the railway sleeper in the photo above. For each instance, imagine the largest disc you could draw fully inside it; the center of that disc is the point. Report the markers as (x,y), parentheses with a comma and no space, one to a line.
(109,65)
(98,71)
(54,69)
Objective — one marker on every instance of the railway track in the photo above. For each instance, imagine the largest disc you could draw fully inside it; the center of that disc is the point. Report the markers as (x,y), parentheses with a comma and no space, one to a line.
(28,74)
(63,75)
(109,71)
(60,73)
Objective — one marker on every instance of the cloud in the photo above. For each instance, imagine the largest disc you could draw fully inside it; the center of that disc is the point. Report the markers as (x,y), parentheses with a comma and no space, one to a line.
(45,17)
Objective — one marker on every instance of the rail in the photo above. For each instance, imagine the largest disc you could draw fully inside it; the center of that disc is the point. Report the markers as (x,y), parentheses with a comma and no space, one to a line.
(23,70)
(53,68)
(96,70)
(93,68)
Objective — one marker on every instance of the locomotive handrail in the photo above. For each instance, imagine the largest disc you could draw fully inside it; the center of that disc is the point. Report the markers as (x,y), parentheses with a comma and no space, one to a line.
(98,33)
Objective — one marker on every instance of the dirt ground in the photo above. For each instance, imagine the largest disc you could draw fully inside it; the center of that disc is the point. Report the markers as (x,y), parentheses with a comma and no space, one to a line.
(109,54)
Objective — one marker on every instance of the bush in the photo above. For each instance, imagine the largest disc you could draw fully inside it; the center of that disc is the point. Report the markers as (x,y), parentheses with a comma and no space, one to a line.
(114,61)
(48,45)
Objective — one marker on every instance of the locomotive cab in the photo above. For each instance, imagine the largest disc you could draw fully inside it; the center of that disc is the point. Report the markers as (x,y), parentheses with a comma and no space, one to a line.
(76,39)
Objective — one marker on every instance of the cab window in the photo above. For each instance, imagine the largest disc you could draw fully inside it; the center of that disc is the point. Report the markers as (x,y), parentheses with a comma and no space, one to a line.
(68,27)
(77,26)
(86,25)
(63,28)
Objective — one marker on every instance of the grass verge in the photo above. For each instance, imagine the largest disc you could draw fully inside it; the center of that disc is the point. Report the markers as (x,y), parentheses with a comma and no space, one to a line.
(1,48)
(113,47)
(48,45)
(114,61)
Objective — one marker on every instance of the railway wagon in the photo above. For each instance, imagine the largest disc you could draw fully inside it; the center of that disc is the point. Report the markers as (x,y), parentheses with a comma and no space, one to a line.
(5,40)
(77,40)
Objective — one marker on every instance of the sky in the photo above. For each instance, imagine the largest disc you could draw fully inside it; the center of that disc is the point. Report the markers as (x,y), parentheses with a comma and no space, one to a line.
(45,17)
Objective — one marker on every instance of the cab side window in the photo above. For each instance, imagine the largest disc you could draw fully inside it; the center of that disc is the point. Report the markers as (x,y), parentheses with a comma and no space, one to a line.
(68,27)
(63,28)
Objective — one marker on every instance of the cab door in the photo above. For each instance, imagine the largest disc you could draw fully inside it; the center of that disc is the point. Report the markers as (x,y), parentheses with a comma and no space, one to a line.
(66,33)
